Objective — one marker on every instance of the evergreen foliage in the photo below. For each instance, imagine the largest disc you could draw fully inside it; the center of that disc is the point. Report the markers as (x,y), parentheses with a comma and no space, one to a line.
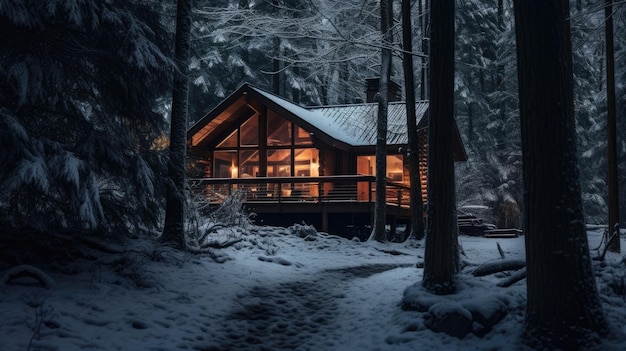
(326,51)
(487,112)
(488,116)
(83,89)
(79,81)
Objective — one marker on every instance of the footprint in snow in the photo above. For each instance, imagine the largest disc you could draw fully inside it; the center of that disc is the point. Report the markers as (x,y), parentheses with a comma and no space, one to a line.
(286,316)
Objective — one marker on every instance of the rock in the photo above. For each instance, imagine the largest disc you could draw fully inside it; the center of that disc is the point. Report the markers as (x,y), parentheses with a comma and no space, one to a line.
(450,318)
(414,302)
(417,299)
(486,311)
(303,230)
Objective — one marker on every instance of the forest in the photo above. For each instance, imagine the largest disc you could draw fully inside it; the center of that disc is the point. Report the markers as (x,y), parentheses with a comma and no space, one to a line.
(68,78)
(96,98)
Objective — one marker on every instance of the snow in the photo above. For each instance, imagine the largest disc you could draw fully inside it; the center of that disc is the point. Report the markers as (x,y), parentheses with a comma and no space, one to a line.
(274,290)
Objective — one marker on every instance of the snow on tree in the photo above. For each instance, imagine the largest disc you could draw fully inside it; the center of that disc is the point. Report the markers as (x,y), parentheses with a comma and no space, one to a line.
(174,229)
(78,85)
(487,111)
(326,52)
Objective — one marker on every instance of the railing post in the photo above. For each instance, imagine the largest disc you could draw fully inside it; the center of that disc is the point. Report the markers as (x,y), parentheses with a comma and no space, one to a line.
(320,191)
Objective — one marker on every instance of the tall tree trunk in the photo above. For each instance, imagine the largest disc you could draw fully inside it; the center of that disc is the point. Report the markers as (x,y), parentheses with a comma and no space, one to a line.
(174,229)
(502,135)
(425,22)
(380,206)
(441,261)
(275,60)
(563,309)
(612,234)
(417,208)
(470,124)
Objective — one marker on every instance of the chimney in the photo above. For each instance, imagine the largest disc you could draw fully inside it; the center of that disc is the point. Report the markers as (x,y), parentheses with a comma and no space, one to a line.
(395,91)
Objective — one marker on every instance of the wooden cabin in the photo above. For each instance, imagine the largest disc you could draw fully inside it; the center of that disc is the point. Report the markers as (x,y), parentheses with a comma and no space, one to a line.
(306,164)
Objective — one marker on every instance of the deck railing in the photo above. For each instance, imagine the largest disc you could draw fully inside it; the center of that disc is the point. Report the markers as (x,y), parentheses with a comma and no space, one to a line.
(326,189)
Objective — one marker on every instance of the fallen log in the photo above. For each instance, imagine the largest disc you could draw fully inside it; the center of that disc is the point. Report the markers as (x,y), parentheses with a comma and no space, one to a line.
(513,278)
(496,266)
(502,233)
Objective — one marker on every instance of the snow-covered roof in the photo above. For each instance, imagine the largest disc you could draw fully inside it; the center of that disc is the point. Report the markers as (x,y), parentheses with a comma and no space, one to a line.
(352,125)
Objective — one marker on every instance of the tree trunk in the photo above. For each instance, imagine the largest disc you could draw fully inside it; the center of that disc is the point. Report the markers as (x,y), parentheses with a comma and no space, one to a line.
(425,22)
(275,60)
(441,261)
(612,234)
(417,208)
(501,137)
(563,309)
(380,206)
(174,229)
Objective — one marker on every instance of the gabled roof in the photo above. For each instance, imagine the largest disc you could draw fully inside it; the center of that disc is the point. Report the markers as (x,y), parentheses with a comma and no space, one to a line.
(342,126)
(353,124)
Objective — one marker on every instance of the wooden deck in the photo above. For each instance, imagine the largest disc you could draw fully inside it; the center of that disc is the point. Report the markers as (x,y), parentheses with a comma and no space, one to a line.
(331,202)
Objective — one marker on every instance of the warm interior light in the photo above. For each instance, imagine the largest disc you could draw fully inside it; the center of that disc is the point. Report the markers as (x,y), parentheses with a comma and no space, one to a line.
(315,168)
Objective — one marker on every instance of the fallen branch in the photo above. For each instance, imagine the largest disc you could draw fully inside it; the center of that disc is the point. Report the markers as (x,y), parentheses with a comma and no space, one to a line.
(218,245)
(26,271)
(393,252)
(513,278)
(496,266)
(502,256)
(606,247)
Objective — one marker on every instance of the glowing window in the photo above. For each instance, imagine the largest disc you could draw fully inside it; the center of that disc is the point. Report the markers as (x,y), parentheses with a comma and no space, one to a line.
(225,164)
(250,132)
(278,130)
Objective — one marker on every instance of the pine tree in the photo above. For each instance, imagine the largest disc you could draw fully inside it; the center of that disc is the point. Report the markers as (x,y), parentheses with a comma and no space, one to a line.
(77,119)
(487,110)
(563,307)
(417,208)
(174,229)
(441,260)
(590,108)
(326,51)
(380,206)
(613,232)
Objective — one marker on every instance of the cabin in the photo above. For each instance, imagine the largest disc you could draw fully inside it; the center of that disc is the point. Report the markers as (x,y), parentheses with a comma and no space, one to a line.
(315,165)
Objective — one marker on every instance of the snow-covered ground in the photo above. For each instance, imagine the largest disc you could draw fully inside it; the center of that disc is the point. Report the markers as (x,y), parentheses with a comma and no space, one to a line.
(273,290)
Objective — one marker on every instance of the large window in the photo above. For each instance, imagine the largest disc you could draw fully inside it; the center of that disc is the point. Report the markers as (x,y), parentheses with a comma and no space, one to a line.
(230,141)
(366,165)
(249,163)
(226,165)
(288,150)
(306,163)
(279,163)
(278,130)
(303,137)
(250,132)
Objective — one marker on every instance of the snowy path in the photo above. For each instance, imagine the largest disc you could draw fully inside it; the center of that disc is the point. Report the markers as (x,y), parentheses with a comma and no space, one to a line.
(290,315)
